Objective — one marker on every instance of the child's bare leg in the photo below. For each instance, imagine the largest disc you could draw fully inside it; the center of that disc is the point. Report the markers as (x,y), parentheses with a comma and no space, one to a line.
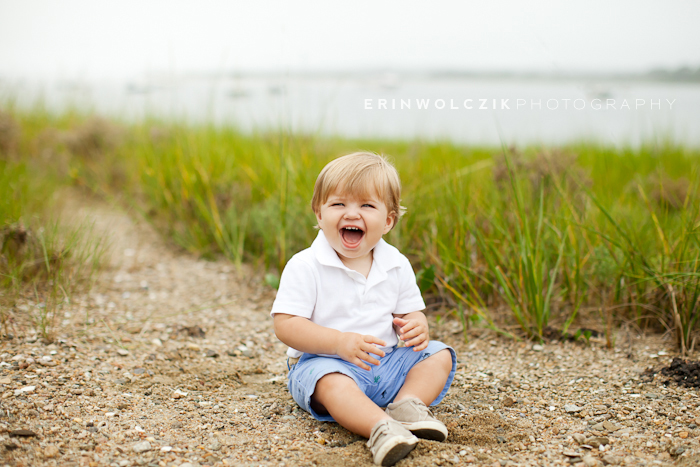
(347,404)
(427,379)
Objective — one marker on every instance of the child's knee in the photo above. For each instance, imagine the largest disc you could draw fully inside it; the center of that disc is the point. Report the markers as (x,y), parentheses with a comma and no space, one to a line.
(327,388)
(443,358)
(333,382)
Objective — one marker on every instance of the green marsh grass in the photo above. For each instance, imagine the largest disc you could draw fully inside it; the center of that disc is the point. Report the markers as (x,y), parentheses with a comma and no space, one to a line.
(520,241)
(43,259)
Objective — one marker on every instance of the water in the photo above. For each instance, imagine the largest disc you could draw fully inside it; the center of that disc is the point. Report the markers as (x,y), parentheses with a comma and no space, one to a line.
(510,111)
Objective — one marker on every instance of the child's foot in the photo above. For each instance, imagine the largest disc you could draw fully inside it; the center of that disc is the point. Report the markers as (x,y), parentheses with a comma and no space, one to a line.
(390,442)
(417,418)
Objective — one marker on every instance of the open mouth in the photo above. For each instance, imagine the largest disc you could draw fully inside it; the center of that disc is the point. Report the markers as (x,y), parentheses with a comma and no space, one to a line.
(352,236)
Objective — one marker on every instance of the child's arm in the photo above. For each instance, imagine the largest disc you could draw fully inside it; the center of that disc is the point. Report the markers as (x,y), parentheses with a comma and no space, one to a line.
(302,334)
(413,329)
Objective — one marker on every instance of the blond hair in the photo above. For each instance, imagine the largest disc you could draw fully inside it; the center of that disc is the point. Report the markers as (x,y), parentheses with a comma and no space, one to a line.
(361,174)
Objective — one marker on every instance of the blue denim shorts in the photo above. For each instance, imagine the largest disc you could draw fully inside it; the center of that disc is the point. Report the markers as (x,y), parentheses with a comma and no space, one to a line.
(381,383)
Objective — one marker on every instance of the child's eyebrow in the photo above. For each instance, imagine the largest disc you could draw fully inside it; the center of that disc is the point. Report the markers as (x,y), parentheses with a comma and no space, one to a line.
(369,199)
(361,199)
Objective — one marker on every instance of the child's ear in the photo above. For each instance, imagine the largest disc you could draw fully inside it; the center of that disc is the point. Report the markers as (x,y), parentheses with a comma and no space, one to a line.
(318,215)
(390,220)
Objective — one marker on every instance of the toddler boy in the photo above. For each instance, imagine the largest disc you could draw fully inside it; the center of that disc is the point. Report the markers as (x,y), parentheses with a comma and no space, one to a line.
(340,305)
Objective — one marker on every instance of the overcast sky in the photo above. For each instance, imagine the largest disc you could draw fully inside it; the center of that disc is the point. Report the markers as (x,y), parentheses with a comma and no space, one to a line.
(126,38)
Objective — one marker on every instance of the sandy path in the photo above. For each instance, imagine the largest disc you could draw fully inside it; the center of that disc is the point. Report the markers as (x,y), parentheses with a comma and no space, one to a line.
(172,361)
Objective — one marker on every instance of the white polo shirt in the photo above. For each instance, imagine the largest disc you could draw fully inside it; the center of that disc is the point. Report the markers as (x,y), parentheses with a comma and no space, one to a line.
(315,284)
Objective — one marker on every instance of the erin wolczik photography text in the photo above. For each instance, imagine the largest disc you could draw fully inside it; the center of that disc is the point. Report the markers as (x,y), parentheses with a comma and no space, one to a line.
(517,104)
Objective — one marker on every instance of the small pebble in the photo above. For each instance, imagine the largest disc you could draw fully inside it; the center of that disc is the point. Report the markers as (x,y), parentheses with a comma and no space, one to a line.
(676,451)
(598,441)
(508,402)
(214,446)
(612,460)
(25,390)
(610,426)
(51,452)
(143,446)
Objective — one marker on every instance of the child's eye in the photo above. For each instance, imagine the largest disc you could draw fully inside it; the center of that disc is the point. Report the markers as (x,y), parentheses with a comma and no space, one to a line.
(368,205)
(337,204)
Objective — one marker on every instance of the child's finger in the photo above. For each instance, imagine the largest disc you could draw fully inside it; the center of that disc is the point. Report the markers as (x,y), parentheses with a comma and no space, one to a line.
(373,349)
(417,340)
(367,358)
(409,325)
(361,364)
(411,334)
(373,340)
(422,346)
(400,321)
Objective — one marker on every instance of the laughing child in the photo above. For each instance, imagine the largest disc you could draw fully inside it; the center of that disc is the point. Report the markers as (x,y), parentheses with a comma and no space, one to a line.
(341,303)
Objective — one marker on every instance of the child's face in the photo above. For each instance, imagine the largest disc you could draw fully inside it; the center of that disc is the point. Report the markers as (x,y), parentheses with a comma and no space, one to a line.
(352,225)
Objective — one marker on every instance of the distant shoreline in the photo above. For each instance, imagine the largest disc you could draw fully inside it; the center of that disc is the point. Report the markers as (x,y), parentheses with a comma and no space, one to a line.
(680,75)
(389,77)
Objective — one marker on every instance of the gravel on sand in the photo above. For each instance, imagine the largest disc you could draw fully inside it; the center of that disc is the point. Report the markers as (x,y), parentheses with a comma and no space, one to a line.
(172,361)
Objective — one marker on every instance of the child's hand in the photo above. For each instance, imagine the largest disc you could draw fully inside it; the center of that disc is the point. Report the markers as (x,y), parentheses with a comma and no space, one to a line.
(414,332)
(355,348)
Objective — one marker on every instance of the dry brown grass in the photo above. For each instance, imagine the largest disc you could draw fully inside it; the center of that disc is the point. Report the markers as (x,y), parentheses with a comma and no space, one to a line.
(10,132)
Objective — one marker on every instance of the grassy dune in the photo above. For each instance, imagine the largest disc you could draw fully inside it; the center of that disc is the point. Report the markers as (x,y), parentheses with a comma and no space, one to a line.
(517,239)
(43,259)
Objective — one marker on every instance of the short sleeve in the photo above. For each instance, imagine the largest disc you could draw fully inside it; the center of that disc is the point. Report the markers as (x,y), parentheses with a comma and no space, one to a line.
(410,298)
(297,291)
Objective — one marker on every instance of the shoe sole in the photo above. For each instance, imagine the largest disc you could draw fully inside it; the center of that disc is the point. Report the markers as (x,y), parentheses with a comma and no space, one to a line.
(427,430)
(398,451)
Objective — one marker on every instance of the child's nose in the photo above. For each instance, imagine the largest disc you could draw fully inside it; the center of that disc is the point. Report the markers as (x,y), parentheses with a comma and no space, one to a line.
(352,212)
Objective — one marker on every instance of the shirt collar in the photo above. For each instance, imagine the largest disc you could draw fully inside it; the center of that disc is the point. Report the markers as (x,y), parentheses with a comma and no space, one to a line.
(385,256)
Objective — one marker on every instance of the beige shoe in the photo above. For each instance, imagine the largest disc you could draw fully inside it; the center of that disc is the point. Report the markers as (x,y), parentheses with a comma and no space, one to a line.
(417,418)
(390,442)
